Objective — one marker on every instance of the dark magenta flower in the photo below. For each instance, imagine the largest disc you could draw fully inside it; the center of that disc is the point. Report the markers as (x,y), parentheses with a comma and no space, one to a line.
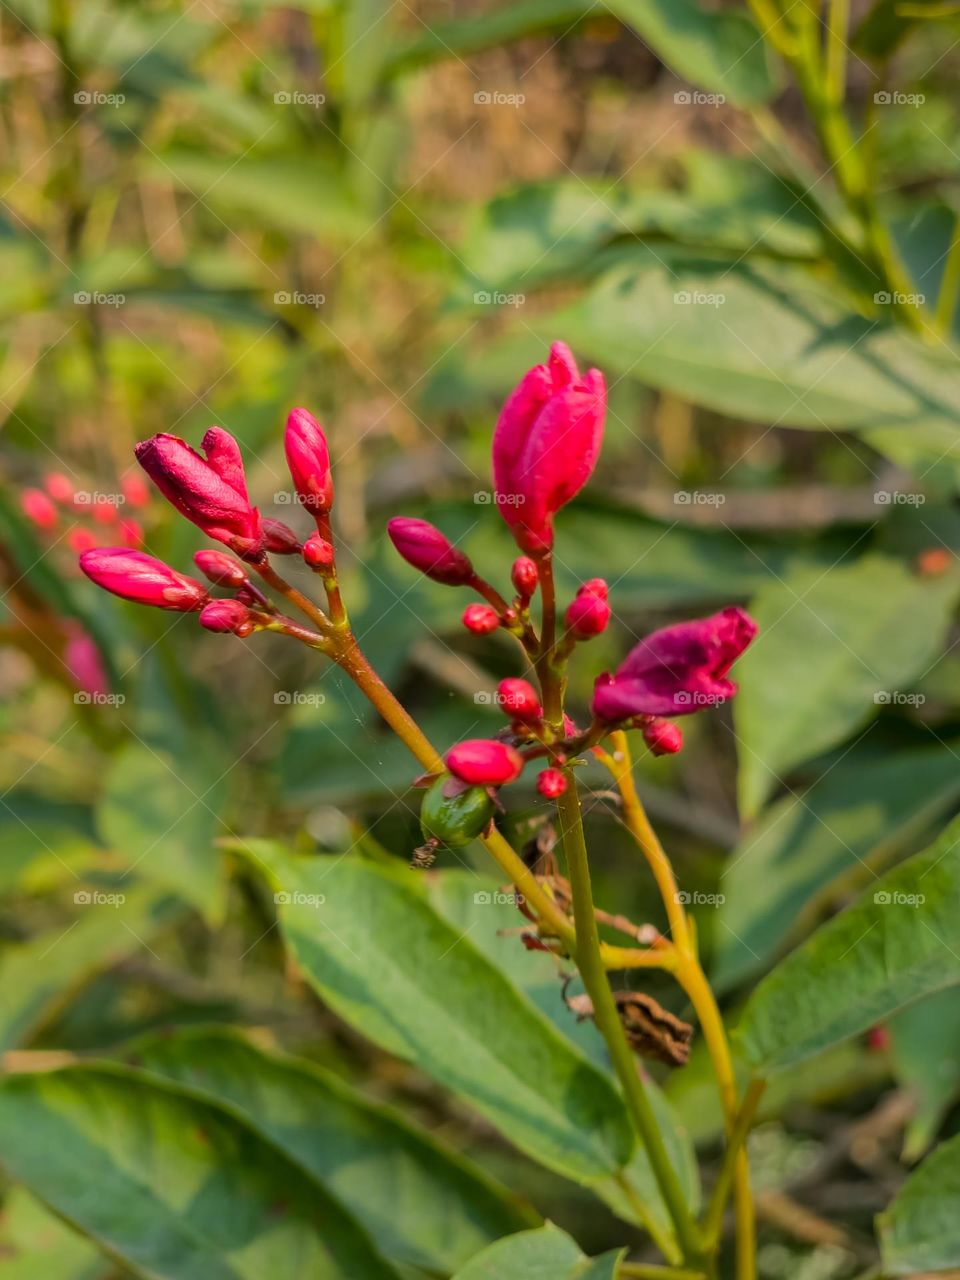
(210,491)
(308,458)
(226,615)
(676,670)
(481,619)
(663,737)
(220,569)
(519,699)
(546,445)
(484,762)
(139,577)
(427,549)
(588,612)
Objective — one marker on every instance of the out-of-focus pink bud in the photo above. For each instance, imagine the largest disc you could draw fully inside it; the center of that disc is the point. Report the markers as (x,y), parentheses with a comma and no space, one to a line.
(662,736)
(309,461)
(58,486)
(104,512)
(525,575)
(676,670)
(134,489)
(131,531)
(280,538)
(551,783)
(80,539)
(82,659)
(546,445)
(220,569)
(427,549)
(226,616)
(318,552)
(878,1039)
(588,612)
(595,587)
(484,762)
(38,508)
(139,577)
(481,619)
(519,699)
(211,491)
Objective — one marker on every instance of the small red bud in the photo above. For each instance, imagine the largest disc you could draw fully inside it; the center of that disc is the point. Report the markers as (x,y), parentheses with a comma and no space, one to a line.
(594,587)
(226,615)
(80,539)
(218,567)
(878,1039)
(38,508)
(58,486)
(484,762)
(525,575)
(280,538)
(587,615)
(663,737)
(104,513)
(318,552)
(481,619)
(551,783)
(519,699)
(134,489)
(427,549)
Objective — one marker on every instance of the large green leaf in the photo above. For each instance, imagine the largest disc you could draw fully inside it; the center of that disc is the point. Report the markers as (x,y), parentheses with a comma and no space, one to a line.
(920,1232)
(545,1254)
(925,1056)
(175,1187)
(898,942)
(34,1245)
(388,964)
(863,810)
(833,648)
(422,1203)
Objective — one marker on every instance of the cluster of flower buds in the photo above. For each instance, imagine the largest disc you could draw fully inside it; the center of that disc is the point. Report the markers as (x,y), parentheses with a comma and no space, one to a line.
(90,516)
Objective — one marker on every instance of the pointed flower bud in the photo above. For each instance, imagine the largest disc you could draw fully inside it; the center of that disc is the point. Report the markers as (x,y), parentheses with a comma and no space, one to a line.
(38,509)
(551,783)
(525,575)
(484,762)
(546,445)
(226,615)
(518,698)
(211,491)
(481,619)
(221,569)
(427,549)
(588,612)
(133,575)
(662,736)
(279,538)
(309,461)
(676,670)
(80,539)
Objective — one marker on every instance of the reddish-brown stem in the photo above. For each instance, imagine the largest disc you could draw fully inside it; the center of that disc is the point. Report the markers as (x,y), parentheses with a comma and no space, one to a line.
(331,586)
(296,598)
(551,688)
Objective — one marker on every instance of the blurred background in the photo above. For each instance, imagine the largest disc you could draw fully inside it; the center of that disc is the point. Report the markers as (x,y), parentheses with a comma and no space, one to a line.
(212,212)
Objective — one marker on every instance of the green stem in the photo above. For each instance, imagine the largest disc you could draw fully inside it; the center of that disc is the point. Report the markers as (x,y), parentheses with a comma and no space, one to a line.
(949,284)
(713,1219)
(650,1271)
(836,71)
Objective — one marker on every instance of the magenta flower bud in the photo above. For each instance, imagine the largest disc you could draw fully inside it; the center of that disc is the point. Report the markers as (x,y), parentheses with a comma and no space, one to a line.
(484,762)
(309,461)
(82,659)
(676,670)
(662,737)
(318,552)
(481,619)
(551,783)
(427,549)
(524,575)
(134,489)
(587,614)
(519,699)
(211,491)
(133,575)
(546,445)
(280,538)
(226,615)
(594,587)
(131,531)
(220,569)
(38,509)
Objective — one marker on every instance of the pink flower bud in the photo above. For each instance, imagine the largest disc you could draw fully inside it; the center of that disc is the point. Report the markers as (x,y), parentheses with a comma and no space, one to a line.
(139,577)
(309,461)
(82,659)
(427,549)
(676,670)
(58,486)
(484,762)
(80,539)
(318,552)
(280,538)
(546,445)
(226,615)
(587,614)
(662,736)
(131,531)
(134,489)
(551,783)
(221,569)
(594,587)
(104,513)
(38,508)
(519,699)
(211,491)
(481,619)
(524,575)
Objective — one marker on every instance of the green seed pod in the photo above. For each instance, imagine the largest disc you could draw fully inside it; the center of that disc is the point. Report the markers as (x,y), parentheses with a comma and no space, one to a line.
(454,820)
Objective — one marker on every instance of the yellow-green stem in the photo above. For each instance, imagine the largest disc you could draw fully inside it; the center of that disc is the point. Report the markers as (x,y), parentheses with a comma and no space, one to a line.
(949,284)
(713,1219)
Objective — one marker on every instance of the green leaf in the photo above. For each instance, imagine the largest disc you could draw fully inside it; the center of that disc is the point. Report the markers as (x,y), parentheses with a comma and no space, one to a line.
(925,1056)
(898,942)
(920,1232)
(173,1186)
(833,647)
(390,966)
(422,1203)
(545,1254)
(34,1245)
(862,811)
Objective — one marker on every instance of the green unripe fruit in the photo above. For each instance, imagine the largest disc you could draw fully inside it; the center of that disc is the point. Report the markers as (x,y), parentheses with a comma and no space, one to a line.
(454,820)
